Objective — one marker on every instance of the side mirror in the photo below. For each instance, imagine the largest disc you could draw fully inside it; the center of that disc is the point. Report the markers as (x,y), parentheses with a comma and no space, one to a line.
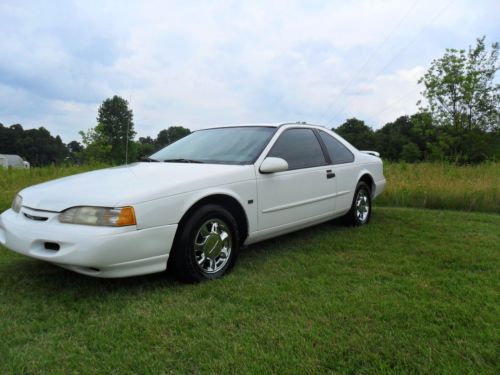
(272,165)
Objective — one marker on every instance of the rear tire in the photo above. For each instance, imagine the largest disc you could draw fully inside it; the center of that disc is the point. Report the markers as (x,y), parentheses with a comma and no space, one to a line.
(207,245)
(361,208)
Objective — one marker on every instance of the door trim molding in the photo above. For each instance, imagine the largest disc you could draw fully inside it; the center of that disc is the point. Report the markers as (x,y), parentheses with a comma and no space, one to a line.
(303,202)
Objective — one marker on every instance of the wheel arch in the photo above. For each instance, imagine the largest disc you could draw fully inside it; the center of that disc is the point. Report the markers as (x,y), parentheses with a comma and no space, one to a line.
(231,203)
(367,178)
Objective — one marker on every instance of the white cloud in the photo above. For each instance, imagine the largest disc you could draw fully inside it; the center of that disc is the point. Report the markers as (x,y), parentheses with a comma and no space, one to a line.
(197,63)
(389,96)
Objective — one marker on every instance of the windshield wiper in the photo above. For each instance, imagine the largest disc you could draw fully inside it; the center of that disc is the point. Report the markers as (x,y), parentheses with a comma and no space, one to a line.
(182,161)
(151,160)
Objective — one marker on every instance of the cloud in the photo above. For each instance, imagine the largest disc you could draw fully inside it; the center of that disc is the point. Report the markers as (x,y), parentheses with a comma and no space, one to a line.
(201,63)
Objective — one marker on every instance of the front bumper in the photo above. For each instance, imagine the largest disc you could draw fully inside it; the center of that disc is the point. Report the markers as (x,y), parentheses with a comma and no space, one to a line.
(95,251)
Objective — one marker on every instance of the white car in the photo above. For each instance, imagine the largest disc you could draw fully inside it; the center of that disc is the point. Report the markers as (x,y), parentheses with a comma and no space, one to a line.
(196,202)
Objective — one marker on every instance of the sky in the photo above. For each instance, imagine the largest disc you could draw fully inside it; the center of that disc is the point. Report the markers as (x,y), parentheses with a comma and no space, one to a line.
(203,63)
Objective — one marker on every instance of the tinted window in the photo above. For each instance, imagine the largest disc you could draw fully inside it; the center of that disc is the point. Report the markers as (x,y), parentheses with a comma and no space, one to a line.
(300,148)
(338,152)
(235,145)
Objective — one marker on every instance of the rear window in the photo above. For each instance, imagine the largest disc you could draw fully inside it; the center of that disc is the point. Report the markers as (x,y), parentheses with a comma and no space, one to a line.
(339,154)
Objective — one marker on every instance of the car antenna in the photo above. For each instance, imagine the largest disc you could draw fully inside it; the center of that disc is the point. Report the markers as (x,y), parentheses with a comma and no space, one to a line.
(126,136)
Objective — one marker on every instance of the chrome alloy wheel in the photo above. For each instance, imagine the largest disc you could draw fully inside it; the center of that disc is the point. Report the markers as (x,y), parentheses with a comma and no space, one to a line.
(212,246)
(362,205)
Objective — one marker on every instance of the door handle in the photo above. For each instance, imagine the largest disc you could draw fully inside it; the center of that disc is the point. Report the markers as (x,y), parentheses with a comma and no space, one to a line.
(330,174)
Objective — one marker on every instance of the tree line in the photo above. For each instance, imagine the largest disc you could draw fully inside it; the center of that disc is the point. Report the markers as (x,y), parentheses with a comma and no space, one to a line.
(457,121)
(418,138)
(37,146)
(40,148)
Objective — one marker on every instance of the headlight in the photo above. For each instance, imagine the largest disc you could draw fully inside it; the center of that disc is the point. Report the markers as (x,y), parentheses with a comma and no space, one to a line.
(17,203)
(113,217)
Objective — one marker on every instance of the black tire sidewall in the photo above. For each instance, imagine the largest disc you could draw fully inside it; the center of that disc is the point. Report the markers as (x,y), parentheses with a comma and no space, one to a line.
(185,263)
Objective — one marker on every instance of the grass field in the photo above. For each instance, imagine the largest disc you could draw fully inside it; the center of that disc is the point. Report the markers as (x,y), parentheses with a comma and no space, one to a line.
(13,180)
(443,186)
(415,291)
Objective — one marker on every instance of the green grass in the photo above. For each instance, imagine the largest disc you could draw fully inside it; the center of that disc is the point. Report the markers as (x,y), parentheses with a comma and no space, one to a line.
(13,180)
(443,186)
(414,291)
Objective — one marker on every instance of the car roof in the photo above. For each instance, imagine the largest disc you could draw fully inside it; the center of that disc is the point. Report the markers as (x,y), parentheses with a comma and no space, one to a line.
(262,124)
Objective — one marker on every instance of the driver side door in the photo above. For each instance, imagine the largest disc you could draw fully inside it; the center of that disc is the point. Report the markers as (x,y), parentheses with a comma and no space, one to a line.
(305,193)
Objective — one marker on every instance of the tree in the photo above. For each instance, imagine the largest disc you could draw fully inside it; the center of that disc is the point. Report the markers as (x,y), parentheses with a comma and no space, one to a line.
(97,146)
(74,147)
(170,135)
(145,147)
(357,133)
(410,153)
(117,127)
(37,146)
(463,97)
(426,136)
(393,136)
(76,150)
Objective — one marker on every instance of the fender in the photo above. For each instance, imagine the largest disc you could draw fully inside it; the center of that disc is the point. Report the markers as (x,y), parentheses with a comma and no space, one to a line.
(171,209)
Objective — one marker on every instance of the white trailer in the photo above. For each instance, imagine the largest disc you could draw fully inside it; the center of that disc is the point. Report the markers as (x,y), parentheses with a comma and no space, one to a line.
(13,161)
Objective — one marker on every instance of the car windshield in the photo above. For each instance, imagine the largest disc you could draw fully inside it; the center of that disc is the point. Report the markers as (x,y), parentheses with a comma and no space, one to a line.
(235,145)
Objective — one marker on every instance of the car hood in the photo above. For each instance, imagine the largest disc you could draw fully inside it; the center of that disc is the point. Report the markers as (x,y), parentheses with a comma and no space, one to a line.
(131,184)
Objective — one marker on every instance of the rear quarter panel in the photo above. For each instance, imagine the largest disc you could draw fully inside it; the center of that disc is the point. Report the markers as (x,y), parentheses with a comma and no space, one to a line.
(348,176)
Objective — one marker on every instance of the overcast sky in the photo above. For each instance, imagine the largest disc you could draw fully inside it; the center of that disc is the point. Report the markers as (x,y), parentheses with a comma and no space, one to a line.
(200,63)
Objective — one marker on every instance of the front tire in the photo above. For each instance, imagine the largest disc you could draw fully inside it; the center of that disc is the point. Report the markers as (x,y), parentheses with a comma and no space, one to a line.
(207,245)
(361,208)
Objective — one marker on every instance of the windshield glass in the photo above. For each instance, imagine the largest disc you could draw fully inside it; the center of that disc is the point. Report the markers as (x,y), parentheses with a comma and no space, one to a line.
(236,145)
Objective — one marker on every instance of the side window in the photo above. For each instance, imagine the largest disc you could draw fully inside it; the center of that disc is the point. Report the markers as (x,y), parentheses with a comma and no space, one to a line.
(339,154)
(300,148)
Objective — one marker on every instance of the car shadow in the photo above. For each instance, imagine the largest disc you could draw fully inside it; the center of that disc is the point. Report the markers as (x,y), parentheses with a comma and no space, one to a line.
(61,278)
(41,277)
(285,243)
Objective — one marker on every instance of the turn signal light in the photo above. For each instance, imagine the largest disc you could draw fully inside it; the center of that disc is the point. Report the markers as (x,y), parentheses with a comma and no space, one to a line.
(126,217)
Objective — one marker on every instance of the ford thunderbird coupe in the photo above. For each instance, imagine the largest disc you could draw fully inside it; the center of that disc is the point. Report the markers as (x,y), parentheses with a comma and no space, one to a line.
(193,204)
